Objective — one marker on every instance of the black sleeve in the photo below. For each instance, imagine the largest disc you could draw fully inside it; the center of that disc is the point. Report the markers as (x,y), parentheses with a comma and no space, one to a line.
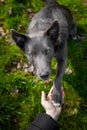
(43,122)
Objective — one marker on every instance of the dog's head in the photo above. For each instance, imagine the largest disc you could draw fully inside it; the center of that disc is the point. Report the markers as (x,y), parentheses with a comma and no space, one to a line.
(39,49)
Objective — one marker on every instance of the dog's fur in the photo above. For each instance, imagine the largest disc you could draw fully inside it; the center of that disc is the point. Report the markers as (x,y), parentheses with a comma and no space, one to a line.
(46,38)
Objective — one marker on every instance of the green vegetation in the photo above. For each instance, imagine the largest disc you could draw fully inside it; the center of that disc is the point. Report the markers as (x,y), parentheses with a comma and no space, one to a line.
(20,91)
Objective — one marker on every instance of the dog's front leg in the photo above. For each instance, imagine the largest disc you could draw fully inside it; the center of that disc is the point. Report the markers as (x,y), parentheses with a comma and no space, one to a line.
(61,64)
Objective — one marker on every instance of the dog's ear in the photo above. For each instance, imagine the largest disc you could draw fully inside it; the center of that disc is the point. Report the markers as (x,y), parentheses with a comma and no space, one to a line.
(53,31)
(19,39)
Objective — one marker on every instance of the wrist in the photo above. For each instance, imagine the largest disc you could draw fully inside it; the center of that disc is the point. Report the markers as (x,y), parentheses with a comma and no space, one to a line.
(53,114)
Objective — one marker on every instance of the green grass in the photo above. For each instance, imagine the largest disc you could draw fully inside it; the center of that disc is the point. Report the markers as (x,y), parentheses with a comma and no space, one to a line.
(20,92)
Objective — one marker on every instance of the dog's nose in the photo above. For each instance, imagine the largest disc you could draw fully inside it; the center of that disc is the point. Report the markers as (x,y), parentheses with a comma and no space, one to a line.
(44,76)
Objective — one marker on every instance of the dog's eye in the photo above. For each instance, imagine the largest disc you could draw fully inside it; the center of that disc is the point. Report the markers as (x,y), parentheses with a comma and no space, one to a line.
(33,53)
(46,51)
(29,53)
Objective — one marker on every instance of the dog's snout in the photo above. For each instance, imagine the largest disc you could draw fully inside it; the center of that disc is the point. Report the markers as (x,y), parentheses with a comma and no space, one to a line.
(44,76)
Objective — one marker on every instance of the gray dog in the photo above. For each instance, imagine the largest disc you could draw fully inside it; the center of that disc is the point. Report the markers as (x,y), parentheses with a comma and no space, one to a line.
(46,38)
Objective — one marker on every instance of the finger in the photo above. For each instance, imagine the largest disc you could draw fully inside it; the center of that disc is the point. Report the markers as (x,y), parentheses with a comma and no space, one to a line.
(43,97)
(49,98)
(50,92)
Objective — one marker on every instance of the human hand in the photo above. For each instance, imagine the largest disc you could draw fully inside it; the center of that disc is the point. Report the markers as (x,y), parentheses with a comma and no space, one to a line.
(50,108)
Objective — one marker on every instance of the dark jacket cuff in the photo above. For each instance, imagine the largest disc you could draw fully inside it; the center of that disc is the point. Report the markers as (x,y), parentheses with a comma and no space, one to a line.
(44,122)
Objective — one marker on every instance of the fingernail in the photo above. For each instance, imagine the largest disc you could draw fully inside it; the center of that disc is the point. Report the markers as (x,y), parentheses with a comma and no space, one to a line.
(42,92)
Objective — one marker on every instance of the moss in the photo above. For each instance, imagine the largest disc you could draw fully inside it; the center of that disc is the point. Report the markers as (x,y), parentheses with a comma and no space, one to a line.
(20,92)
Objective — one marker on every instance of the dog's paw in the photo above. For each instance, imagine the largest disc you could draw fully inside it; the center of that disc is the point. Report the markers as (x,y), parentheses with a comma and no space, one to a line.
(56,97)
(56,104)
